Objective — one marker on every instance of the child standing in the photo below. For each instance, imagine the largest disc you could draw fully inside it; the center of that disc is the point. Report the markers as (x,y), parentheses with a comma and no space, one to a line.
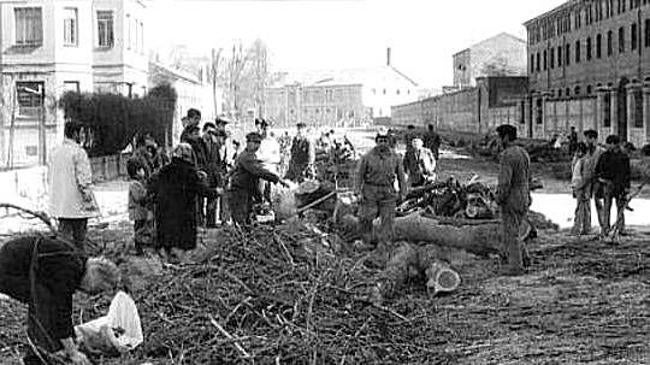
(138,210)
(581,192)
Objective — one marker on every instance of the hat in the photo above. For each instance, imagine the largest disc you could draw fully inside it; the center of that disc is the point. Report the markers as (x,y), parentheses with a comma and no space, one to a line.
(219,120)
(184,152)
(301,125)
(253,137)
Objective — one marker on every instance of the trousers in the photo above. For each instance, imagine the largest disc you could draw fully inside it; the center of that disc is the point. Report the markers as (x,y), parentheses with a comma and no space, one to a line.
(512,245)
(377,201)
(582,220)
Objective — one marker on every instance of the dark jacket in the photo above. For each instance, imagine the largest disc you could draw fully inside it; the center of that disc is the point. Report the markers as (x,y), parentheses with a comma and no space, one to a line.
(215,165)
(248,171)
(175,190)
(614,167)
(45,284)
(513,192)
(432,141)
(303,156)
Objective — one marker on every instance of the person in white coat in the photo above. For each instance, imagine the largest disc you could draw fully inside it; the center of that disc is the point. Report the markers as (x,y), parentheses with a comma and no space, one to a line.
(72,200)
(269,154)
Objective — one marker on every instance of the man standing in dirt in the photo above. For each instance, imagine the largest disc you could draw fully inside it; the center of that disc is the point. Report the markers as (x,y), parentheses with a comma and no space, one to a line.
(375,184)
(245,180)
(303,156)
(613,172)
(72,201)
(593,187)
(513,195)
(432,141)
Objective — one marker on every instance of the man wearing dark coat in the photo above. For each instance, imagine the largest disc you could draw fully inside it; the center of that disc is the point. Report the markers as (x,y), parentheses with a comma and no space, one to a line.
(303,156)
(44,273)
(513,195)
(432,141)
(176,189)
(245,180)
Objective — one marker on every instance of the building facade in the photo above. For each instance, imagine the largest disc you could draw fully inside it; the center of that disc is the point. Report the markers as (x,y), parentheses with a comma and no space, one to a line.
(501,55)
(48,47)
(589,67)
(480,109)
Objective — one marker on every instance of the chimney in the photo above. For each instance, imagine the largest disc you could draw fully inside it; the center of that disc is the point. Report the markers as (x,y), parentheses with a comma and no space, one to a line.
(388,56)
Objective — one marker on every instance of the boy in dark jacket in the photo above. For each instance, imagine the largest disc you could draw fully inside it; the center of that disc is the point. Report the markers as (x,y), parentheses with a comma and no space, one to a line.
(139,211)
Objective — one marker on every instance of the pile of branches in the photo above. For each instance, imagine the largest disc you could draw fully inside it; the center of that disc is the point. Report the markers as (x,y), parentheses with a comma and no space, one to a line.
(271,296)
(451,198)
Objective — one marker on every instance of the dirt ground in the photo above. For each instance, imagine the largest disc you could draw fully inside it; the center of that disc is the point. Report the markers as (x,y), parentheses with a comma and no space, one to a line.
(582,301)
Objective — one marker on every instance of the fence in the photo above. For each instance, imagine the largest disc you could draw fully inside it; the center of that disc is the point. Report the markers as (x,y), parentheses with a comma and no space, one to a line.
(109,167)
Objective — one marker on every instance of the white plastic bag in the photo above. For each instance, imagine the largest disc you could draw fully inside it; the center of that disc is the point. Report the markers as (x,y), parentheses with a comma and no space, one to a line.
(119,331)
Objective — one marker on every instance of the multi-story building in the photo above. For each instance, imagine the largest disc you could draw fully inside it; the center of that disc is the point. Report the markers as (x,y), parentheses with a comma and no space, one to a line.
(336,96)
(589,67)
(501,55)
(48,47)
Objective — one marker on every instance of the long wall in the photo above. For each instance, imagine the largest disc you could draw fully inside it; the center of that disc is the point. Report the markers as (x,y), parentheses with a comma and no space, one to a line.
(479,109)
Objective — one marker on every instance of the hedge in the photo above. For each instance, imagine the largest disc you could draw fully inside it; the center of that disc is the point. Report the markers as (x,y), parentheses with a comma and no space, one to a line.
(111,121)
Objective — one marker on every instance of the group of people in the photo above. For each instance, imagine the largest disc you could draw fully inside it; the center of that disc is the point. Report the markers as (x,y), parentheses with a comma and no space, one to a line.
(602,174)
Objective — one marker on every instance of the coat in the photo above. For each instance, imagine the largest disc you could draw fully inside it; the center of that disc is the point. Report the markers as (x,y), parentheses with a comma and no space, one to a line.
(70,177)
(303,156)
(175,190)
(420,165)
(55,274)
(513,192)
(380,168)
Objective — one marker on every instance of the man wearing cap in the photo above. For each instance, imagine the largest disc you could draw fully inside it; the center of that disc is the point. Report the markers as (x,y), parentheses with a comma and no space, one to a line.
(376,174)
(245,179)
(213,140)
(303,156)
(269,154)
(513,195)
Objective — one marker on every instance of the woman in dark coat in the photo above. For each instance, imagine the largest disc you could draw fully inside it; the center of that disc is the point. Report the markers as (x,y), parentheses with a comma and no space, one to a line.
(175,190)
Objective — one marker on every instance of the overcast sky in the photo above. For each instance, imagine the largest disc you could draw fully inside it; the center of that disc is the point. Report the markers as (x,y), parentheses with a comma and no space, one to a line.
(315,34)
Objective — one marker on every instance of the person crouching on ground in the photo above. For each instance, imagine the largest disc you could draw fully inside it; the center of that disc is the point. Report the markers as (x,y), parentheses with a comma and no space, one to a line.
(581,191)
(613,172)
(175,189)
(44,273)
(139,211)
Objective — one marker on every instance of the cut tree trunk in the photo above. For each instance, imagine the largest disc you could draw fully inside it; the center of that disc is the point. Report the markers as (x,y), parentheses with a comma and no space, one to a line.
(410,261)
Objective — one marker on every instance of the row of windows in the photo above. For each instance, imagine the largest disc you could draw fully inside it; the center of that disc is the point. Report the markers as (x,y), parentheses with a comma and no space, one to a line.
(587,13)
(397,92)
(29,28)
(542,61)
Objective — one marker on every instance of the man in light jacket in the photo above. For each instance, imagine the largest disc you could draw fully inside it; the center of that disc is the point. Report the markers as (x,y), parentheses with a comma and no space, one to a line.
(72,201)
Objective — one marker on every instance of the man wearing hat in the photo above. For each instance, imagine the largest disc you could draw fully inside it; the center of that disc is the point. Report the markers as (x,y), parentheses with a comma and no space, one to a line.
(268,153)
(513,195)
(215,168)
(303,156)
(245,180)
(376,174)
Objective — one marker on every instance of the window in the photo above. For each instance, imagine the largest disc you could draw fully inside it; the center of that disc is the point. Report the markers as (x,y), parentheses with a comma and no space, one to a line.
(633,36)
(537,62)
(559,56)
(539,116)
(638,108)
(71,86)
(532,63)
(567,92)
(607,110)
(29,26)
(545,60)
(397,92)
(70,29)
(552,57)
(577,51)
(567,54)
(374,91)
(599,43)
(610,46)
(29,98)
(588,49)
(384,91)
(589,89)
(646,41)
(576,90)
(105,29)
(621,40)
